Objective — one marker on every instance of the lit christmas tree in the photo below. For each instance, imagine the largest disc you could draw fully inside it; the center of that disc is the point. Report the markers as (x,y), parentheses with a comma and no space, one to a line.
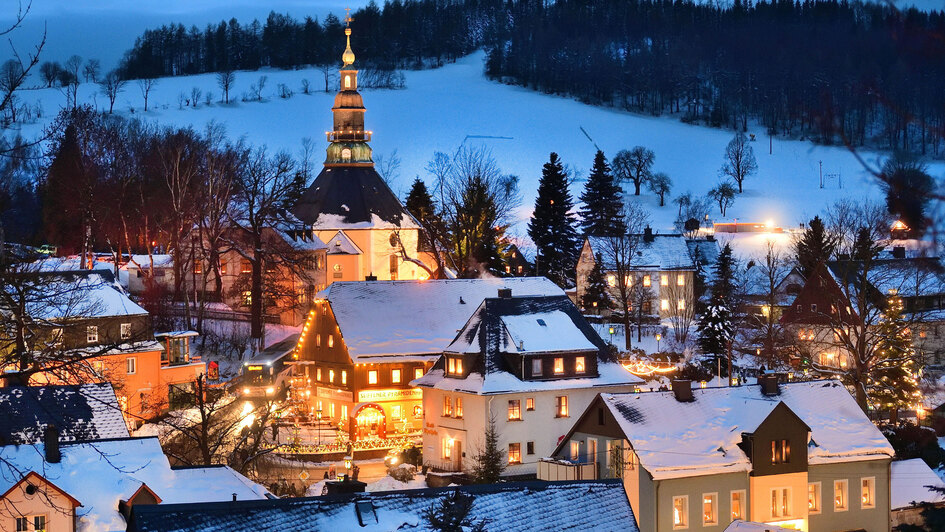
(894,378)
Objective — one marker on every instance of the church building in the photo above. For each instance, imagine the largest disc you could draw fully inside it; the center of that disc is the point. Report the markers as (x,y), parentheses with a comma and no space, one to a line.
(349,206)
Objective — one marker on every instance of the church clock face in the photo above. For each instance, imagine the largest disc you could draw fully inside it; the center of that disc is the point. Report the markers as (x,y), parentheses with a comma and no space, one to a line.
(346,154)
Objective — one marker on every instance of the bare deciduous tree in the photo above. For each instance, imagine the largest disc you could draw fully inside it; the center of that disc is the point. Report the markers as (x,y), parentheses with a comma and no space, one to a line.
(112,85)
(225,80)
(739,160)
(145,86)
(618,254)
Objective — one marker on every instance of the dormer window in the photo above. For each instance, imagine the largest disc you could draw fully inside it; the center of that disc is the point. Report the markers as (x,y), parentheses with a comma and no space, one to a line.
(536,367)
(579,365)
(559,366)
(780,451)
(454,366)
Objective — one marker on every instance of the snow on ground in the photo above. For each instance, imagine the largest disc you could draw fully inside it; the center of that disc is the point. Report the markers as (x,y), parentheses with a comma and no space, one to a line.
(464,103)
(389,483)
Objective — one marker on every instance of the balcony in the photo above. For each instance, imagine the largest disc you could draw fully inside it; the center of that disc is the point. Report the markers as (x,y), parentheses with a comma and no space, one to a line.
(349,135)
(549,469)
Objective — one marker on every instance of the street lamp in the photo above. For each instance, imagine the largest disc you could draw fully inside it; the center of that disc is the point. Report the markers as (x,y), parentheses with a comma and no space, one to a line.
(348,460)
(658,338)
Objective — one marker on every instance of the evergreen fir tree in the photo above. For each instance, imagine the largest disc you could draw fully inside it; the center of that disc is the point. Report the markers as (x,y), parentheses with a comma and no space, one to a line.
(601,214)
(814,246)
(552,225)
(723,283)
(451,513)
(596,298)
(715,327)
(489,462)
(864,247)
(893,381)
(419,203)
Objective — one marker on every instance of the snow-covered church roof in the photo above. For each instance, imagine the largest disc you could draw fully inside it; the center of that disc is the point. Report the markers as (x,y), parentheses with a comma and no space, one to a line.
(676,439)
(394,321)
(525,325)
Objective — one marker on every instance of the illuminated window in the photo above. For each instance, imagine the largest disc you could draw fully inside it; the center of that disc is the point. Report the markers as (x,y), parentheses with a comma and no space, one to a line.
(868,492)
(579,365)
(447,448)
(417,373)
(459,366)
(561,406)
(132,365)
(331,340)
(680,280)
(91,334)
(738,504)
(344,411)
(447,406)
(664,280)
(519,269)
(247,297)
(780,451)
(125,331)
(611,280)
(575,450)
(198,267)
(318,374)
(454,366)
(530,403)
(515,410)
(681,512)
(331,375)
(458,413)
(646,280)
(331,410)
(245,266)
(32,523)
(372,377)
(813,498)
(559,366)
(344,377)
(781,502)
(710,508)
(681,304)
(395,376)
(347,82)
(515,453)
(222,266)
(318,340)
(664,304)
(536,367)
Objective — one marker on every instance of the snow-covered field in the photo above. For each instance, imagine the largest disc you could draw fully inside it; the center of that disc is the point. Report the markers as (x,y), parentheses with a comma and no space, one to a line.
(444,109)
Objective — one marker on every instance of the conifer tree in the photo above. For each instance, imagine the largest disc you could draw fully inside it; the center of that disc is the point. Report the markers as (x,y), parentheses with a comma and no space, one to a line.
(893,381)
(723,282)
(814,246)
(715,327)
(419,203)
(552,225)
(603,201)
(596,298)
(489,462)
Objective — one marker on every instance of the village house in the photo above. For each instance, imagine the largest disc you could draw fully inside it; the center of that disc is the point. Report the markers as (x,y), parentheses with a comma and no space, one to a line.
(520,506)
(527,362)
(661,263)
(349,206)
(154,271)
(801,455)
(364,342)
(516,264)
(85,317)
(914,486)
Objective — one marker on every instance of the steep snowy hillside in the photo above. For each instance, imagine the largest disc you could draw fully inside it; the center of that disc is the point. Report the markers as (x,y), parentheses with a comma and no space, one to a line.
(442,109)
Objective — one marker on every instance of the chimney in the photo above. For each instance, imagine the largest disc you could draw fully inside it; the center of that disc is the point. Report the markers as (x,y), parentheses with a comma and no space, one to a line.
(234,497)
(647,234)
(51,443)
(505,293)
(370,277)
(682,389)
(769,384)
(899,252)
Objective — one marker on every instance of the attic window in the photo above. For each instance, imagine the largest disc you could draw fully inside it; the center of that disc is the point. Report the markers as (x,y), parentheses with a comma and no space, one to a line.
(542,322)
(366,513)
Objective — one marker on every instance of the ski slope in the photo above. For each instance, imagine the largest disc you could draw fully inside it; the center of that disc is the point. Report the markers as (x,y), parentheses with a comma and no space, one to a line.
(443,109)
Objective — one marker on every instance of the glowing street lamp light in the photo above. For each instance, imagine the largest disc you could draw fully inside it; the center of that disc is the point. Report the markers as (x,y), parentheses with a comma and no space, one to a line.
(658,338)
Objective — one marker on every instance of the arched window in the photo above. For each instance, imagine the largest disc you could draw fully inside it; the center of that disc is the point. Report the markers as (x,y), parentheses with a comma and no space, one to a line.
(347,82)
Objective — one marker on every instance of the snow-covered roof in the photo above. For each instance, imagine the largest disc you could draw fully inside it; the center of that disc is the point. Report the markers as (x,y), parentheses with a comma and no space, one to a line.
(351,197)
(663,252)
(909,484)
(415,320)
(80,413)
(144,262)
(522,506)
(525,325)
(79,294)
(677,439)
(100,474)
(340,244)
(66,264)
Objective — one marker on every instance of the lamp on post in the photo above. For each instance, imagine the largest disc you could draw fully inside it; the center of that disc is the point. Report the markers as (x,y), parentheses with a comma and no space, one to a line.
(348,460)
(658,338)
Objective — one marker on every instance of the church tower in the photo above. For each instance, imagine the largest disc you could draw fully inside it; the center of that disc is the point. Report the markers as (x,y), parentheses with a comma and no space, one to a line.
(350,207)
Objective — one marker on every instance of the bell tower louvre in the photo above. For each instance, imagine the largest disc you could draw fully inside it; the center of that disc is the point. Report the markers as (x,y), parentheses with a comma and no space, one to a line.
(350,207)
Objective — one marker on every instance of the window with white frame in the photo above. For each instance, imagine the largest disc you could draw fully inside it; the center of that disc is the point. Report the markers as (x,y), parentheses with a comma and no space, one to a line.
(575,450)
(561,406)
(813,498)
(680,512)
(664,280)
(125,331)
(780,502)
(32,523)
(132,363)
(529,403)
(458,411)
(515,453)
(395,376)
(664,304)
(536,367)
(417,373)
(447,448)
(447,406)
(868,492)
(840,496)
(372,376)
(738,504)
(515,410)
(710,508)
(91,334)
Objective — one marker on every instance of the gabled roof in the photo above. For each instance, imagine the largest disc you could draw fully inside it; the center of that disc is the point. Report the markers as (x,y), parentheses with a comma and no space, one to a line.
(340,244)
(104,472)
(821,290)
(35,478)
(910,481)
(675,439)
(663,252)
(60,296)
(525,325)
(521,506)
(81,413)
(399,320)
(351,197)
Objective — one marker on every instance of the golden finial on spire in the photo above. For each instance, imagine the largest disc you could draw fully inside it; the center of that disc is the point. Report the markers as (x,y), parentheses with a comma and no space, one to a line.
(347,58)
